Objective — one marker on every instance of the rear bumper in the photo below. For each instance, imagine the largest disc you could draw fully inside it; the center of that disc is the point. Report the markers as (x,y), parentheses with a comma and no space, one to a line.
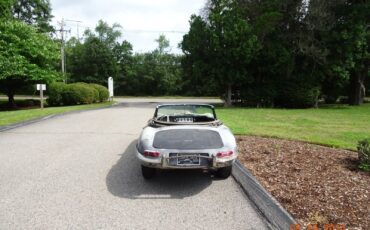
(163,162)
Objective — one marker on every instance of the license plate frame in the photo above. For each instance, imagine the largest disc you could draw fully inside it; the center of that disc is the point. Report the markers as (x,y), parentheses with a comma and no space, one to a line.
(188,160)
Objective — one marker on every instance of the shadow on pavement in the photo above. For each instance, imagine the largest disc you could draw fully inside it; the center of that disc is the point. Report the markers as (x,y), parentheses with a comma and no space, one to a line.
(125,180)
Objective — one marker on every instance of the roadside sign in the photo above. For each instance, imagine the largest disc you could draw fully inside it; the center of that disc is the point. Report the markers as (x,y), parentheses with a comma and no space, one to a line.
(110,86)
(41,88)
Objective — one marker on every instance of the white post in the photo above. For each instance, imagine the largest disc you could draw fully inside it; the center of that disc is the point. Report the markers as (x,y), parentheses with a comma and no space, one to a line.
(42,98)
(41,87)
(110,88)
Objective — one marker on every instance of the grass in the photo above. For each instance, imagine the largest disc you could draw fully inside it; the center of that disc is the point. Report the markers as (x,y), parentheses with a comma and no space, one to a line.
(11,117)
(337,126)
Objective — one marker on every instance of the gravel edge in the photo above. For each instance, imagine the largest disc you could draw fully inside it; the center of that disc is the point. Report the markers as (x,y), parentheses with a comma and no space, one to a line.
(32,121)
(271,209)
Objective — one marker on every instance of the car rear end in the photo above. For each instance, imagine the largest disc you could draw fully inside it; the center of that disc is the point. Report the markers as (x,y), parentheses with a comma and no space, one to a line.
(187,147)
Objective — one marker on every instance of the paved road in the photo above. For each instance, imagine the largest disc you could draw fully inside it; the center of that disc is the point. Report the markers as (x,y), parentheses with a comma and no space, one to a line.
(79,172)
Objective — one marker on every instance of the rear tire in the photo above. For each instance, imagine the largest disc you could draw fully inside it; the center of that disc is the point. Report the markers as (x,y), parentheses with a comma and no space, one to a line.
(224,172)
(147,172)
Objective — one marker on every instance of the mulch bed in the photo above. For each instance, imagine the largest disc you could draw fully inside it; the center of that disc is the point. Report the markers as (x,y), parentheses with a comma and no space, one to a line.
(316,184)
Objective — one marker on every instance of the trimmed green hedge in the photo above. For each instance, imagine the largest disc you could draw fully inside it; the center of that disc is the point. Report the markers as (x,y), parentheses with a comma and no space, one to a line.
(76,93)
(103,93)
(55,91)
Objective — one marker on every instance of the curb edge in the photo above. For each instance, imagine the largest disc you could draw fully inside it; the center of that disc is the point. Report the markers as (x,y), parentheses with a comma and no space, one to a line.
(271,209)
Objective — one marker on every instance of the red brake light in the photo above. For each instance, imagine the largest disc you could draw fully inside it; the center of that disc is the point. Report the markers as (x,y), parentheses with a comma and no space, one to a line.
(224,154)
(151,154)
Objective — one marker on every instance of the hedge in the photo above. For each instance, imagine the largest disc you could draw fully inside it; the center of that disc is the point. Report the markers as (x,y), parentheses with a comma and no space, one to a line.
(103,93)
(76,93)
(55,91)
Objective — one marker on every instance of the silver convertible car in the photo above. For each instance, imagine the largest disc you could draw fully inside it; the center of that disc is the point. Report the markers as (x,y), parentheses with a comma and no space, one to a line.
(186,136)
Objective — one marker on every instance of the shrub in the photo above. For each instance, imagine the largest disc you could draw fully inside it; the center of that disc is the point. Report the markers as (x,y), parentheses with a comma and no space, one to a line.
(92,96)
(297,95)
(103,93)
(55,91)
(79,93)
(363,148)
(76,93)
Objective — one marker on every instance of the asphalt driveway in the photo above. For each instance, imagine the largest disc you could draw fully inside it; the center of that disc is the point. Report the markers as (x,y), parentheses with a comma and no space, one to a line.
(79,171)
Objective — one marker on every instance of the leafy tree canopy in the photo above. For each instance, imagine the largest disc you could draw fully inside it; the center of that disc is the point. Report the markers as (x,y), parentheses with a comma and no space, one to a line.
(6,9)
(34,12)
(26,57)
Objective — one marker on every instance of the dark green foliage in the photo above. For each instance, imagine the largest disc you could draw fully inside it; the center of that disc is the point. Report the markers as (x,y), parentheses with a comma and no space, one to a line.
(258,52)
(6,9)
(76,93)
(363,149)
(101,56)
(297,95)
(92,62)
(302,50)
(96,58)
(198,79)
(55,92)
(34,12)
(103,93)
(220,46)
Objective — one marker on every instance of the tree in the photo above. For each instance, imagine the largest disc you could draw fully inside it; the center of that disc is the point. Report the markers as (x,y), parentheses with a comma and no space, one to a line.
(287,71)
(96,58)
(6,9)
(197,75)
(124,56)
(354,40)
(106,34)
(163,44)
(167,68)
(231,44)
(26,57)
(34,12)
(91,62)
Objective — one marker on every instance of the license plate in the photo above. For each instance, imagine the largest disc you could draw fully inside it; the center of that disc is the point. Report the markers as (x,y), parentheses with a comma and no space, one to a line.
(188,160)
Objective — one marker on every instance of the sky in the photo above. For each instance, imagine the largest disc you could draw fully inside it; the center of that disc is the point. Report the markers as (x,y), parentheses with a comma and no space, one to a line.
(142,21)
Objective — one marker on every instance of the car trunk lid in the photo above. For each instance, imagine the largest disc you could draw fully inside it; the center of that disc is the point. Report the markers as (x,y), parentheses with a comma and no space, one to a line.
(187,139)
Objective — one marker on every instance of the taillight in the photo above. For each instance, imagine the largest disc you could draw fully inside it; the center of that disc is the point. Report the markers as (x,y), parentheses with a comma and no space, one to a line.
(224,154)
(151,154)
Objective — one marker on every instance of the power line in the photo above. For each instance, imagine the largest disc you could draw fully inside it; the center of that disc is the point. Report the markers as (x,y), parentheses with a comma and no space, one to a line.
(62,30)
(142,31)
(155,31)
(77,25)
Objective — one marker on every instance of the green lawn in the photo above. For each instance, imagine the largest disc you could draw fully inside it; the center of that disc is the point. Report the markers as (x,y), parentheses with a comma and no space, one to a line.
(338,126)
(10,117)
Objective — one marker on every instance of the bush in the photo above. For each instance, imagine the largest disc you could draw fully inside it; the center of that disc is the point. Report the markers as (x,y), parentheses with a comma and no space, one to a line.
(103,93)
(55,91)
(297,95)
(363,148)
(76,93)
(79,93)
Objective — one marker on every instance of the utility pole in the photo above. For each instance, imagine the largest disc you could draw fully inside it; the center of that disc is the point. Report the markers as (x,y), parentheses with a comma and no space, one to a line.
(62,30)
(77,25)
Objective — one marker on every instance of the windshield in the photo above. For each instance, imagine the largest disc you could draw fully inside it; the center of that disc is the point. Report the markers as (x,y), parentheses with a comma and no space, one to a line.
(185,110)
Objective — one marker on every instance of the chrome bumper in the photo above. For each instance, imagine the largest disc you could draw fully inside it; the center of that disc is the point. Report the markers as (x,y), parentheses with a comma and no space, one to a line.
(163,162)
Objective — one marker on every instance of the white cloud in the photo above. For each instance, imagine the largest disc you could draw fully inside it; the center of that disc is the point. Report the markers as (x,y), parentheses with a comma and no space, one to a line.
(141,20)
